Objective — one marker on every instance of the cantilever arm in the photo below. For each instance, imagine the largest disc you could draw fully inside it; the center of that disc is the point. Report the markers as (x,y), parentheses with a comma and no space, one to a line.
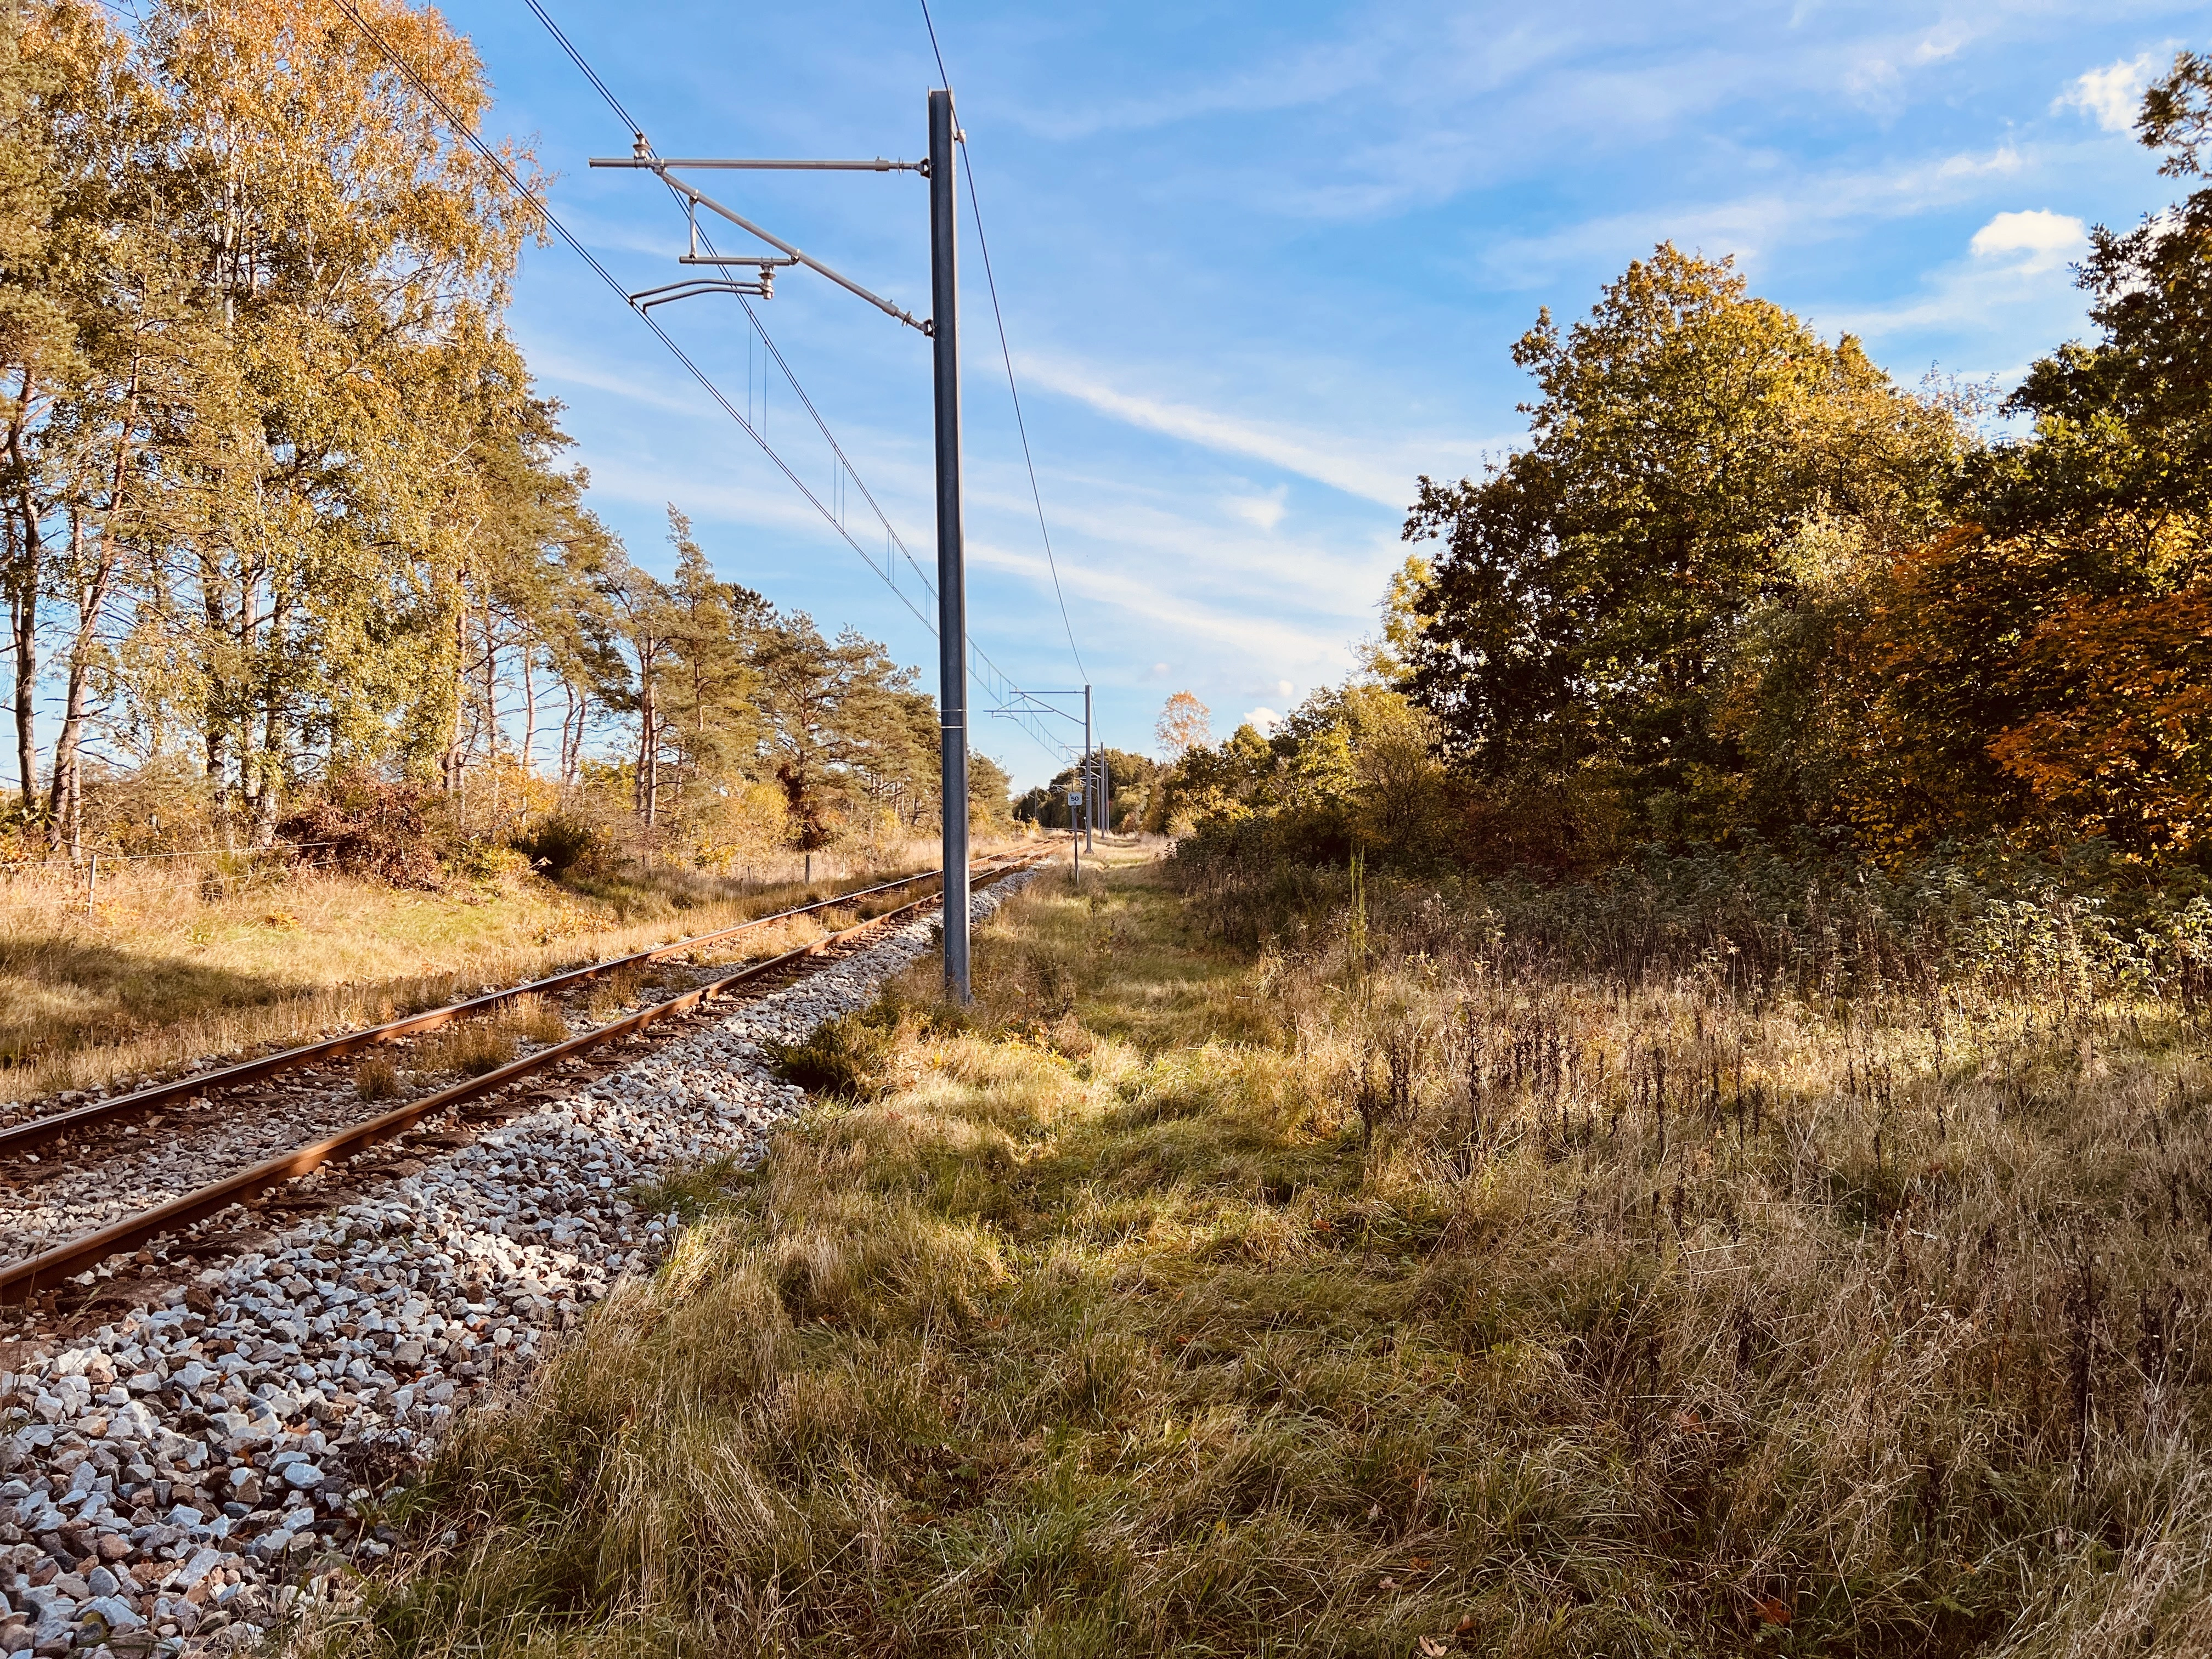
(699,198)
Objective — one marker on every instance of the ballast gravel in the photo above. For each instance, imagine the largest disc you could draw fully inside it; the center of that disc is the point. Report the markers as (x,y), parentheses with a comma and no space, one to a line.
(172,1482)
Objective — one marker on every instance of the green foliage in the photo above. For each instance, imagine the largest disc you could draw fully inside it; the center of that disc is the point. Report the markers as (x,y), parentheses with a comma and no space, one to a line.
(1590,586)
(847,1058)
(1130,776)
(1739,586)
(1350,769)
(284,500)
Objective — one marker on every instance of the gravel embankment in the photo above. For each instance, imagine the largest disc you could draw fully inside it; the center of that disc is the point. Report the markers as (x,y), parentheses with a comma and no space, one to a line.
(174,1478)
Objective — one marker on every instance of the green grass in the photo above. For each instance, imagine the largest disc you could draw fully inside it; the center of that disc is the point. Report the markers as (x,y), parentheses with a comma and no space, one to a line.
(1173,1302)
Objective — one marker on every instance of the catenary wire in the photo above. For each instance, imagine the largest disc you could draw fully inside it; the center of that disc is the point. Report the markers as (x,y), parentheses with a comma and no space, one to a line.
(1007,691)
(1005,354)
(589,73)
(691,367)
(607,277)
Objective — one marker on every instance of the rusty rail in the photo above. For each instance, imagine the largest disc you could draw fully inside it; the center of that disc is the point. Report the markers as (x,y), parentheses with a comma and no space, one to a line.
(34,1133)
(20,1280)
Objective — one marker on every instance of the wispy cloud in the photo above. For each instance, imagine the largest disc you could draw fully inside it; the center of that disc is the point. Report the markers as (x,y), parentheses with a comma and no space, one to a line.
(2017,259)
(1252,635)
(1804,208)
(1265,511)
(1381,473)
(551,365)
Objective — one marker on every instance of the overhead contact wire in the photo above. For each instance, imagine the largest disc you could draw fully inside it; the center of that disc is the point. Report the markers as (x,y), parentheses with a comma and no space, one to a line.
(705,381)
(1007,682)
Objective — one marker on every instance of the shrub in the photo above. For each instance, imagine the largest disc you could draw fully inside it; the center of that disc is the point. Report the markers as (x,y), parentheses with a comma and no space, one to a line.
(369,826)
(559,842)
(848,1058)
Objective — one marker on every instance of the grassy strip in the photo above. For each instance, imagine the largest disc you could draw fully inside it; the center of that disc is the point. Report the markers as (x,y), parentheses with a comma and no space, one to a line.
(1174,1302)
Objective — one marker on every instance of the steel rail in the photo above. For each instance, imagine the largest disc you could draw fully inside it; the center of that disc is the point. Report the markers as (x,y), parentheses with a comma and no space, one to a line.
(20,1280)
(37,1131)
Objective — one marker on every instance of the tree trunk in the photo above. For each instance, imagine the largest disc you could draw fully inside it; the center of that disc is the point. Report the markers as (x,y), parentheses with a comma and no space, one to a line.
(276,737)
(529,713)
(26,553)
(449,764)
(23,626)
(648,743)
(573,714)
(68,806)
(490,687)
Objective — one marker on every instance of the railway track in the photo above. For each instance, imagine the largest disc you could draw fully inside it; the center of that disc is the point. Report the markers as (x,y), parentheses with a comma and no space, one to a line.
(29,1134)
(149,1140)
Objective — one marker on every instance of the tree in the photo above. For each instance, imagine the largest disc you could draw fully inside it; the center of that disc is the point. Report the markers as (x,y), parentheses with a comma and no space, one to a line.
(1184,724)
(827,707)
(713,720)
(990,790)
(2046,665)
(1591,585)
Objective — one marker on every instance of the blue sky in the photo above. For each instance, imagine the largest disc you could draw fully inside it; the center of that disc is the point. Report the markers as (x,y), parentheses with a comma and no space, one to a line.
(1261,265)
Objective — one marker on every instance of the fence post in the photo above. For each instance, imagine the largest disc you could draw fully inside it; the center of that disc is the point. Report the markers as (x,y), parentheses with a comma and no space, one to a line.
(91,882)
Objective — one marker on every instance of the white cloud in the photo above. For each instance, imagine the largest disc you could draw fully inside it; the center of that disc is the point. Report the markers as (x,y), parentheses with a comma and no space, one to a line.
(1266,511)
(2044,237)
(1942,43)
(1309,455)
(2109,96)
(1262,721)
(629,381)
(1224,626)
(2015,271)
(1283,688)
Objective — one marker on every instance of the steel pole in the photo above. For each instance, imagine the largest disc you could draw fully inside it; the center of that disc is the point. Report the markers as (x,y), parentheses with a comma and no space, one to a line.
(951,573)
(1089,805)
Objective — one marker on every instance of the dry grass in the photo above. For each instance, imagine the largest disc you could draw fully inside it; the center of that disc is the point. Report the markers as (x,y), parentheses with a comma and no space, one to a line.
(1378,1303)
(468,1049)
(177,962)
(612,996)
(376,1079)
(534,1020)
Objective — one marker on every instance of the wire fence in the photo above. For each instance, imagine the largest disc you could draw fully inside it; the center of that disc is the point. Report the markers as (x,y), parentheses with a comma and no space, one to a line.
(78,861)
(83,877)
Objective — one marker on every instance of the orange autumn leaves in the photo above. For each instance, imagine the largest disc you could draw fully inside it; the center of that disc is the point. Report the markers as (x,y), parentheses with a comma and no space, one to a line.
(2125,747)
(2061,680)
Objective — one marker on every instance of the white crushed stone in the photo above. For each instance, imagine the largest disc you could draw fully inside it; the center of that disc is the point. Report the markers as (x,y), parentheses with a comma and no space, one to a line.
(174,1480)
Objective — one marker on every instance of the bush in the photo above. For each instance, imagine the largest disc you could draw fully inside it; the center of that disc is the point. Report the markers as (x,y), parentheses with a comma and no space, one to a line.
(558,843)
(848,1058)
(369,826)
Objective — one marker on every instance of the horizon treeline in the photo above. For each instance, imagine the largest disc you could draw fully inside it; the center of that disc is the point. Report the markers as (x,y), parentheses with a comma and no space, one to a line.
(1741,589)
(282,505)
